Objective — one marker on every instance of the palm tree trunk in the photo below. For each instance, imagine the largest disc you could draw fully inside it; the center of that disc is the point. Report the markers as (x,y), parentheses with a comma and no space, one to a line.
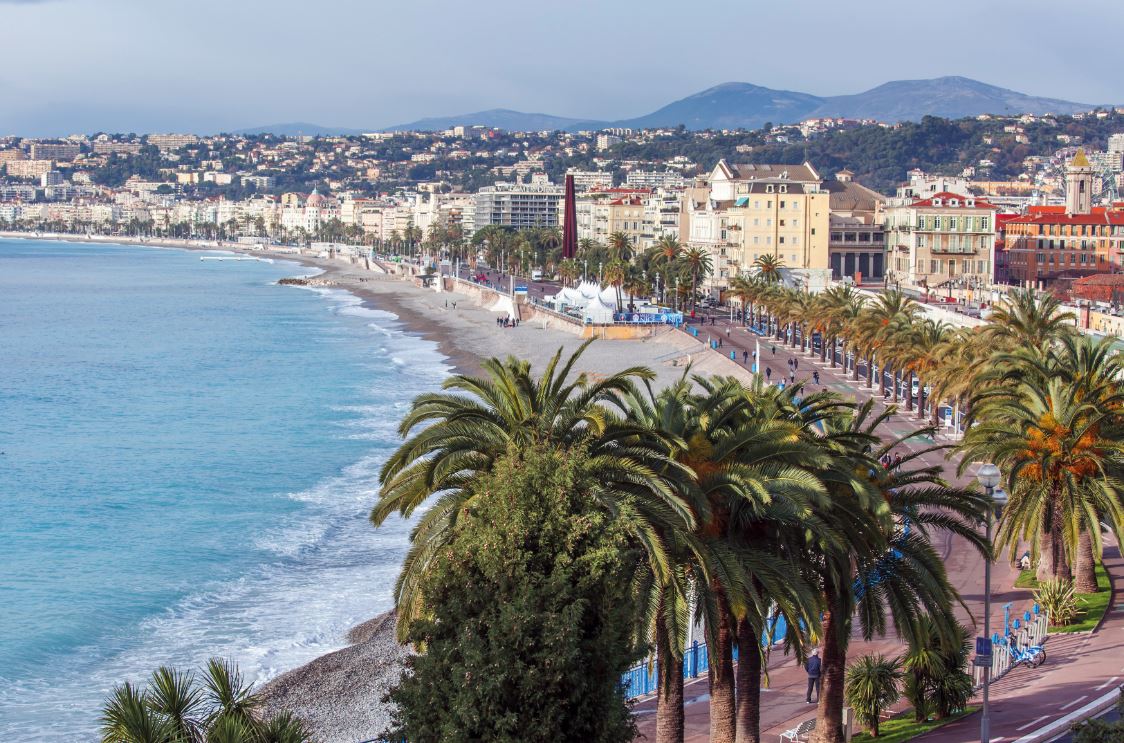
(669,694)
(1052,563)
(1085,575)
(823,349)
(749,685)
(894,382)
(909,391)
(723,725)
(829,714)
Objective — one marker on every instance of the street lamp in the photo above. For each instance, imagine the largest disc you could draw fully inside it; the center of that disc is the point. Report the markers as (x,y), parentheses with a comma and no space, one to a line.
(988,476)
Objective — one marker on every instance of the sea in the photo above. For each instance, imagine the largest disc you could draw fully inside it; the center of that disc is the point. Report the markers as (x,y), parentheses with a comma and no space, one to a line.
(188,454)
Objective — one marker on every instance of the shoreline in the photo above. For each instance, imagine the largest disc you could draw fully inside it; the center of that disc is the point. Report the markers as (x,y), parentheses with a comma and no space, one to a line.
(339,694)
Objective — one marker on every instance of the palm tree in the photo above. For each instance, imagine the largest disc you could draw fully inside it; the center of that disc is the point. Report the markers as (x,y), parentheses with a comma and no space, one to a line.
(841,306)
(769,268)
(620,246)
(936,681)
(699,264)
(880,564)
(455,435)
(568,271)
(872,686)
(615,274)
(1029,318)
(746,460)
(1051,423)
(878,325)
(173,709)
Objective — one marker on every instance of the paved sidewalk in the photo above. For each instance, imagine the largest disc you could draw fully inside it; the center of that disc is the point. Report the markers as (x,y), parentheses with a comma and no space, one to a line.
(1076,665)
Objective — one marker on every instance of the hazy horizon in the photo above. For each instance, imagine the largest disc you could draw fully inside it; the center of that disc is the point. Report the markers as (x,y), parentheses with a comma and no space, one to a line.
(206,66)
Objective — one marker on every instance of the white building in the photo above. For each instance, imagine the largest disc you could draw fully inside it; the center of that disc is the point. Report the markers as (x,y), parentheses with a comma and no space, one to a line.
(518,205)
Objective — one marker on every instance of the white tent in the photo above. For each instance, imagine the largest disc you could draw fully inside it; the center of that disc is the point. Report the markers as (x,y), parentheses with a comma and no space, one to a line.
(597,312)
(589,289)
(571,297)
(609,296)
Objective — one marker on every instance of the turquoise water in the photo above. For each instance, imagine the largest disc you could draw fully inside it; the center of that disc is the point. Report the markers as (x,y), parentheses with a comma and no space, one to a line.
(187,455)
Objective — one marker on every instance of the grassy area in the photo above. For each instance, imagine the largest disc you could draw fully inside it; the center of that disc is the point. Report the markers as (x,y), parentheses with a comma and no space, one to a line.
(1092,605)
(904,728)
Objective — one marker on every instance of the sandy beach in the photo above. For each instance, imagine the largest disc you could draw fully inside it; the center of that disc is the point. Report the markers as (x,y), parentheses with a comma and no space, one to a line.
(340,694)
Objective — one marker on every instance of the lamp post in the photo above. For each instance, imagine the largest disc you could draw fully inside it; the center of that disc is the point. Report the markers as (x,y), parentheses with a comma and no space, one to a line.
(988,476)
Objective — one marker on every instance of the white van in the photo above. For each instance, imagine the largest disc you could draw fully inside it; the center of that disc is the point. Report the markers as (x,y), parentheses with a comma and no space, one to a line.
(536,274)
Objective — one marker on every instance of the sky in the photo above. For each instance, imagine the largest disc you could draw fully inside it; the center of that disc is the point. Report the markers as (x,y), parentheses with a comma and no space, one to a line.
(72,66)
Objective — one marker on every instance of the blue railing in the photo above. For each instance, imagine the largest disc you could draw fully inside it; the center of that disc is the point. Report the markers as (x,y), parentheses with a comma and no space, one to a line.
(644,678)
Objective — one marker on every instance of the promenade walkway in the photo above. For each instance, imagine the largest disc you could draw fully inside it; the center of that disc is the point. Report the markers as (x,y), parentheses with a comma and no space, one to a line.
(1079,669)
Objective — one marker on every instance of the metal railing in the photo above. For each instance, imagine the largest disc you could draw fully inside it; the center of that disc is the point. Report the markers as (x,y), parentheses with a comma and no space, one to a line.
(1030,631)
(643,679)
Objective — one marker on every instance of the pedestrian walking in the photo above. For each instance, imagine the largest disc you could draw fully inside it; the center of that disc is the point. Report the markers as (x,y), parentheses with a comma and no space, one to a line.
(897,459)
(727,332)
(816,377)
(814,669)
(796,363)
(792,377)
(774,350)
(768,373)
(745,357)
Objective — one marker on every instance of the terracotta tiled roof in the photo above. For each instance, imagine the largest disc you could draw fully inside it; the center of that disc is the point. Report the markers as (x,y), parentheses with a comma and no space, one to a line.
(1099,217)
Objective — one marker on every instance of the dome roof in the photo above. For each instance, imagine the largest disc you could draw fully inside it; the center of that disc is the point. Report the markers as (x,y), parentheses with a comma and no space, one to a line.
(314,198)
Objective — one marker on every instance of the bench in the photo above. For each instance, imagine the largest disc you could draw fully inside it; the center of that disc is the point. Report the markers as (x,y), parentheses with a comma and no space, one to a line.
(800,732)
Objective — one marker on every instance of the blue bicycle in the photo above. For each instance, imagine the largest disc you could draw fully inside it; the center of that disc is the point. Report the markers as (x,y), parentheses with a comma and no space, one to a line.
(1031,656)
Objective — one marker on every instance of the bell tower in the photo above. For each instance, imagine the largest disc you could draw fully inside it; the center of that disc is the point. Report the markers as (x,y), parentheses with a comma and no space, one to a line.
(1079,185)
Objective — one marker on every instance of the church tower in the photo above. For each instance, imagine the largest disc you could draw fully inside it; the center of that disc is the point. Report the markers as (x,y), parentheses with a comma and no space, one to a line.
(1079,185)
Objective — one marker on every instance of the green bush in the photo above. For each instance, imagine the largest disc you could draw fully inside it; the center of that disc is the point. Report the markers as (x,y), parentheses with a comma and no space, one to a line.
(1057,597)
(937,682)
(871,687)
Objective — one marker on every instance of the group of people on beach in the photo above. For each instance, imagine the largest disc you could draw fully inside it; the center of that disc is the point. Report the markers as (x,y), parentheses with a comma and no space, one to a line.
(507,322)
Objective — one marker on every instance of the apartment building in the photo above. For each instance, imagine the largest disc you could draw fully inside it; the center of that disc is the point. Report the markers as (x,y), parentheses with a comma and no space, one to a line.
(741,212)
(171,142)
(519,205)
(29,168)
(654,179)
(947,237)
(54,151)
(589,180)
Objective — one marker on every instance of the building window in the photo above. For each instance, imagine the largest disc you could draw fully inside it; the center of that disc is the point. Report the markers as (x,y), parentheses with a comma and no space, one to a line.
(780,240)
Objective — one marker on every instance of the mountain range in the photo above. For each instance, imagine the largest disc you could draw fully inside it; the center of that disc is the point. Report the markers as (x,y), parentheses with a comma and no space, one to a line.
(746,106)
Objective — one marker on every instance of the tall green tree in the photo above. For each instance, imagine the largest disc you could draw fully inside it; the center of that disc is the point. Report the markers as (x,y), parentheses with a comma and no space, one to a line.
(529,613)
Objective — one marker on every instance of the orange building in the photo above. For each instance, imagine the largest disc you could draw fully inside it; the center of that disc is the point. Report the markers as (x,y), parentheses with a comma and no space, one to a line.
(1047,244)
(1066,242)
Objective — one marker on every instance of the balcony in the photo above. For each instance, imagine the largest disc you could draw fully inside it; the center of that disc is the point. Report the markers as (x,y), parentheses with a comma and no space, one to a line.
(945,250)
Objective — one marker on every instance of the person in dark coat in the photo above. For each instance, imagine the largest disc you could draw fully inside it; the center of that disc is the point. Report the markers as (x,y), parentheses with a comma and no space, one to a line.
(815,675)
